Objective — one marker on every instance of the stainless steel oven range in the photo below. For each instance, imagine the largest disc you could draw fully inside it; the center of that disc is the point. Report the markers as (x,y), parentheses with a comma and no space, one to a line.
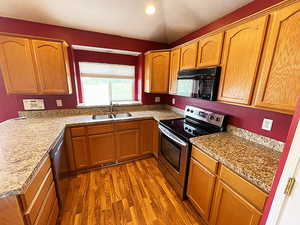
(175,148)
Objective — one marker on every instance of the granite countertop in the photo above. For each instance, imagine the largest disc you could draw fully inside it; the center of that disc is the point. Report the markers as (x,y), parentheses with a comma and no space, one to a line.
(254,162)
(25,143)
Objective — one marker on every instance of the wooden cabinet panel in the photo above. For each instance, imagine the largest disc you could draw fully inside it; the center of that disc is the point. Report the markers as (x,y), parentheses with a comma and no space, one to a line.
(102,148)
(128,144)
(208,162)
(279,83)
(240,62)
(77,131)
(201,186)
(11,211)
(188,57)
(174,69)
(17,65)
(146,136)
(155,139)
(210,50)
(100,129)
(157,72)
(51,67)
(80,151)
(230,208)
(127,125)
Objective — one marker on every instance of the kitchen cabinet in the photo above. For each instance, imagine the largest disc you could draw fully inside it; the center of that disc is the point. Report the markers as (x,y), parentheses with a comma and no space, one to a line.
(43,66)
(188,58)
(241,56)
(174,69)
(156,141)
(146,137)
(128,144)
(17,65)
(279,80)
(210,50)
(81,153)
(51,66)
(35,204)
(102,148)
(231,208)
(201,186)
(157,72)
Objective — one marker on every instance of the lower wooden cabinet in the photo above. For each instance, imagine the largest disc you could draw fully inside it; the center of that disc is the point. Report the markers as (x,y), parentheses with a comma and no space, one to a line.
(80,151)
(155,139)
(128,144)
(146,136)
(230,208)
(201,186)
(102,148)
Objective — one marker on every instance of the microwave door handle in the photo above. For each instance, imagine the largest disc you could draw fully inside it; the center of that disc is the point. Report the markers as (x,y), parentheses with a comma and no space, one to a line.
(172,136)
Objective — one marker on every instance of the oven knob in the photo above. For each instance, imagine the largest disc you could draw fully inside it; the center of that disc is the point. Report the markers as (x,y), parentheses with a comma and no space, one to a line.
(188,110)
(217,119)
(190,130)
(211,117)
(192,111)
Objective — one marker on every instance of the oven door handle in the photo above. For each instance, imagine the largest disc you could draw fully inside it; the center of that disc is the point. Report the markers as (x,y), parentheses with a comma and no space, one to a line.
(172,136)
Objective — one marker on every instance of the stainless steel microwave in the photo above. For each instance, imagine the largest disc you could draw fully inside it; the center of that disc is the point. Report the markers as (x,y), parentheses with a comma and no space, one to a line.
(200,83)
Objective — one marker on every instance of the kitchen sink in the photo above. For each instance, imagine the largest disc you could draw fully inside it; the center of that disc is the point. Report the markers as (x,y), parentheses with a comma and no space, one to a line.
(103,117)
(111,116)
(122,115)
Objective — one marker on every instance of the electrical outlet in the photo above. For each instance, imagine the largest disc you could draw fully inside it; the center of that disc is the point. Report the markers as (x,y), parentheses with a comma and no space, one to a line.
(267,124)
(157,99)
(59,103)
(173,101)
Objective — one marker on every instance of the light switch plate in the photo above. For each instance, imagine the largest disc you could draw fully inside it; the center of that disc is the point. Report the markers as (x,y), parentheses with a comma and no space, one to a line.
(157,99)
(59,103)
(33,104)
(173,101)
(267,124)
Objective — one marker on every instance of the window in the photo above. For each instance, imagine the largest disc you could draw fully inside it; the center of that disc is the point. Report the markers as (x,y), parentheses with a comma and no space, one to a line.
(103,83)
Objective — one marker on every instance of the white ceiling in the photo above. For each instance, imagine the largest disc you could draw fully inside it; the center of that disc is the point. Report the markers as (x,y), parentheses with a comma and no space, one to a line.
(173,18)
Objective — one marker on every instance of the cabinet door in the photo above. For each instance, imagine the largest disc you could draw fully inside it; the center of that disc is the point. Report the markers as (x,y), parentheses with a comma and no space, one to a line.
(155,139)
(102,148)
(160,62)
(51,67)
(241,57)
(201,187)
(174,69)
(80,151)
(230,208)
(147,81)
(279,83)
(17,65)
(146,136)
(210,50)
(188,57)
(128,144)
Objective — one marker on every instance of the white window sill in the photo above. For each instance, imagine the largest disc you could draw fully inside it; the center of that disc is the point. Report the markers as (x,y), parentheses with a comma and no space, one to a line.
(123,103)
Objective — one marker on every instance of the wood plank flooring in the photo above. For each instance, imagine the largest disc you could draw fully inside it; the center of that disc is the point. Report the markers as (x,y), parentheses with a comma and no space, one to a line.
(135,193)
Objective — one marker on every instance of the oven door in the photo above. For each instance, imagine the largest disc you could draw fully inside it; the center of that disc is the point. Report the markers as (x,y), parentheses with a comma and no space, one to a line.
(173,154)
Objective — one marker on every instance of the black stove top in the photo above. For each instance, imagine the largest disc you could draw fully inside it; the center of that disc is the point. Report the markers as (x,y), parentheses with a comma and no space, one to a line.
(187,129)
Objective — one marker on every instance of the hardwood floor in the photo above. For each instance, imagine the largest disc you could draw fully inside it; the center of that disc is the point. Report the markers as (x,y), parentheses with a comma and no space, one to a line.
(135,193)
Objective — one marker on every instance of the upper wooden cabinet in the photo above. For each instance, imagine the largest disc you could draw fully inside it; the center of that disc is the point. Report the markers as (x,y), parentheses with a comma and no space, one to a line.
(157,72)
(188,57)
(51,67)
(17,65)
(279,83)
(174,69)
(241,56)
(210,50)
(42,66)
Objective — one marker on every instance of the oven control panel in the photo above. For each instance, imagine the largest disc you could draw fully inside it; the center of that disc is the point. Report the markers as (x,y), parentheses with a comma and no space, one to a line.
(204,115)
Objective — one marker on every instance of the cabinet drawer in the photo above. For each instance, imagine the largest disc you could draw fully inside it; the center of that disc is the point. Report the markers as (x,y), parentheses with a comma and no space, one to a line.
(54,214)
(250,192)
(28,196)
(47,206)
(77,131)
(210,163)
(35,207)
(100,129)
(127,125)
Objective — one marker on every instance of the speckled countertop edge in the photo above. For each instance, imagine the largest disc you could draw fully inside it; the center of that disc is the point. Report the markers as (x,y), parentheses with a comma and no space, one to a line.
(17,187)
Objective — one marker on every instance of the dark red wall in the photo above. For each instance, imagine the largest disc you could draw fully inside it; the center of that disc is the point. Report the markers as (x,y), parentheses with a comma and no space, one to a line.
(247,118)
(10,104)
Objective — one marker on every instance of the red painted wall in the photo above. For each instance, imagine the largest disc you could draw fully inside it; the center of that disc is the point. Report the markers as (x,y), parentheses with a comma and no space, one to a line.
(10,104)
(282,162)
